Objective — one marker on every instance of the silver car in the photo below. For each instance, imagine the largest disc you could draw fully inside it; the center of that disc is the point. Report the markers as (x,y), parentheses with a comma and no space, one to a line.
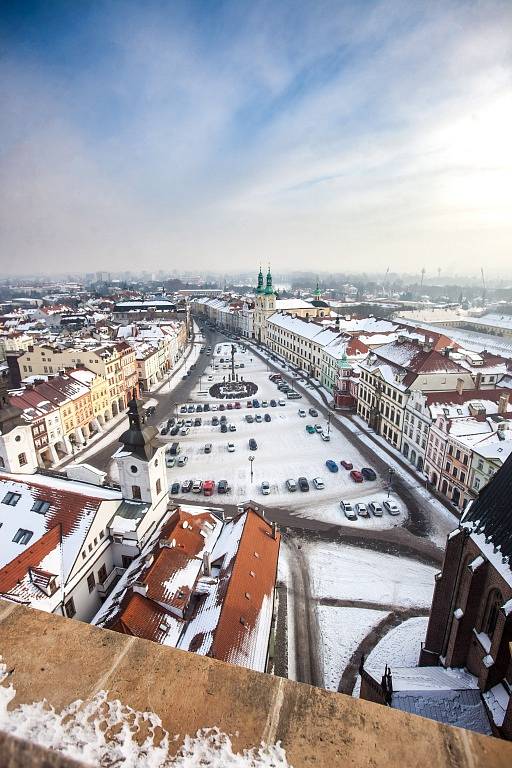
(291,484)
(375,508)
(391,507)
(348,510)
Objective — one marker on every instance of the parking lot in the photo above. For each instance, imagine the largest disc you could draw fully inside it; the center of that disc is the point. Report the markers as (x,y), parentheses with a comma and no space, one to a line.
(285,450)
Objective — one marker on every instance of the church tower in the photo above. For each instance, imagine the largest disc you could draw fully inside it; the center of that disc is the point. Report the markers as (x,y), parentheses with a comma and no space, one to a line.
(265,305)
(141,460)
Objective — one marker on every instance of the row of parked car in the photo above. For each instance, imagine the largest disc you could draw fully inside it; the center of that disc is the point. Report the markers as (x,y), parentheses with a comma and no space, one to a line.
(206,487)
(366,473)
(375,508)
(284,387)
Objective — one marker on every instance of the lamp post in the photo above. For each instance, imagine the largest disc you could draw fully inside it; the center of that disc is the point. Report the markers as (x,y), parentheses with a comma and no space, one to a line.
(329,423)
(391,473)
(251,459)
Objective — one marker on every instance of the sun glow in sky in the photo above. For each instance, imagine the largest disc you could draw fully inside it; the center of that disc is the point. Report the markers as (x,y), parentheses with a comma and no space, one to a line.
(320,134)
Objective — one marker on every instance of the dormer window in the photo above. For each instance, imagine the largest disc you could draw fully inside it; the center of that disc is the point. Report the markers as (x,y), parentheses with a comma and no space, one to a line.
(11,499)
(40,506)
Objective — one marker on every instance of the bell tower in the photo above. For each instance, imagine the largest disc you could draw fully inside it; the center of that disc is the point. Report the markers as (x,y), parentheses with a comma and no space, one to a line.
(141,459)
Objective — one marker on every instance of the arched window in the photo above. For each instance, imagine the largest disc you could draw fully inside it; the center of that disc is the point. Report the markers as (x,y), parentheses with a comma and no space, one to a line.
(490,617)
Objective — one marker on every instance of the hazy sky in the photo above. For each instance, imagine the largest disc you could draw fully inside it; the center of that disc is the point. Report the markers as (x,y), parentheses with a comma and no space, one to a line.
(314,134)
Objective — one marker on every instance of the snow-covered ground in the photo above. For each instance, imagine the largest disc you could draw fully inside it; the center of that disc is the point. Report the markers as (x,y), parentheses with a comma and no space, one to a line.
(399,648)
(285,450)
(367,576)
(342,630)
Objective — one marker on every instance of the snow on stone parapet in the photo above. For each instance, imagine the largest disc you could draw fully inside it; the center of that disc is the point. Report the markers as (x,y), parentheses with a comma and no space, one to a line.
(103,732)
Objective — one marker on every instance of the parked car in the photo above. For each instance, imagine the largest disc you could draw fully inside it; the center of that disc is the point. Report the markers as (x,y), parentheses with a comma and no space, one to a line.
(264,404)
(313,412)
(237,405)
(348,510)
(231,447)
(375,508)
(164,430)
(282,402)
(191,409)
(362,509)
(303,484)
(325,436)
(310,429)
(184,431)
(170,461)
(188,423)
(208,448)
(197,486)
(223,427)
(291,485)
(222,486)
(215,421)
(249,418)
(223,418)
(198,422)
(199,408)
(356,476)
(331,465)
(222,407)
(255,403)
(173,449)
(186,487)
(368,473)
(273,403)
(318,483)
(265,488)
(302,413)
(208,487)
(391,507)
(206,407)
(175,488)
(258,418)
(346,464)
(183,409)
(253,445)
(232,428)
(267,417)
(292,395)
(150,410)
(182,460)
(249,403)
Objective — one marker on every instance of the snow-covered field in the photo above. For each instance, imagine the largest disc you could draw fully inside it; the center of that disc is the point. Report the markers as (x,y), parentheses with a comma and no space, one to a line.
(399,648)
(368,577)
(342,630)
(285,450)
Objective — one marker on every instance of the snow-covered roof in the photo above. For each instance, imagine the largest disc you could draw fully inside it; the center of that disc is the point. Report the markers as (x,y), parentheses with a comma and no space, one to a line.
(37,503)
(287,305)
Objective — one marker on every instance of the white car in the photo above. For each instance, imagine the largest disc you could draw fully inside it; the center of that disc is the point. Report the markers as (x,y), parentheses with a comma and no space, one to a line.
(325,436)
(210,378)
(318,483)
(391,507)
(214,407)
(184,431)
(198,486)
(348,510)
(302,413)
(362,510)
(291,484)
(170,461)
(231,447)
(182,460)
(282,402)
(375,508)
(265,488)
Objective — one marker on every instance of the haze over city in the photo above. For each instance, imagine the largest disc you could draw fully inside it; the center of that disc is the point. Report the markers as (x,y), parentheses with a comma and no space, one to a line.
(318,135)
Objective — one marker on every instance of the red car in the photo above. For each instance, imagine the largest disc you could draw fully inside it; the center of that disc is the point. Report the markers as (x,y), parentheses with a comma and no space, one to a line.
(346,464)
(249,403)
(356,476)
(230,406)
(237,405)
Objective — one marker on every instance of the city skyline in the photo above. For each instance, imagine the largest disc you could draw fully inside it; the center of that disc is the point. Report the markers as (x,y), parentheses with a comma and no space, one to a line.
(215,135)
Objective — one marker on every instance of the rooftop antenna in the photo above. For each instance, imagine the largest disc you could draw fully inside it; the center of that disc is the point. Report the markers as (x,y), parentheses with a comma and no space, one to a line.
(422,277)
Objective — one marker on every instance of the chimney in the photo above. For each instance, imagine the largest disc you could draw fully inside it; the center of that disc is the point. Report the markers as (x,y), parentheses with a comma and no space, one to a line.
(274,529)
(140,588)
(503,404)
(401,338)
(459,388)
(207,566)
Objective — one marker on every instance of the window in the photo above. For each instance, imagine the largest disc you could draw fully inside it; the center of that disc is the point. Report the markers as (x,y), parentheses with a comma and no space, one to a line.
(102,574)
(127,561)
(136,494)
(494,601)
(70,608)
(11,499)
(134,469)
(40,506)
(158,485)
(102,533)
(91,582)
(22,536)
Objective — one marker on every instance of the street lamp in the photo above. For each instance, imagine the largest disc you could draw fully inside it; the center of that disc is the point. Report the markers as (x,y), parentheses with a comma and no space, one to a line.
(251,459)
(391,473)
(329,423)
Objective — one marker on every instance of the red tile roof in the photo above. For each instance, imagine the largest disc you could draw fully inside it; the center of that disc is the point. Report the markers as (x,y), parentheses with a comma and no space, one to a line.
(31,557)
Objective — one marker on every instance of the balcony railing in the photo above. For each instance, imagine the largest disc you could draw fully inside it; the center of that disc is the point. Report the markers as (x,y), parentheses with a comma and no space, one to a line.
(112,578)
